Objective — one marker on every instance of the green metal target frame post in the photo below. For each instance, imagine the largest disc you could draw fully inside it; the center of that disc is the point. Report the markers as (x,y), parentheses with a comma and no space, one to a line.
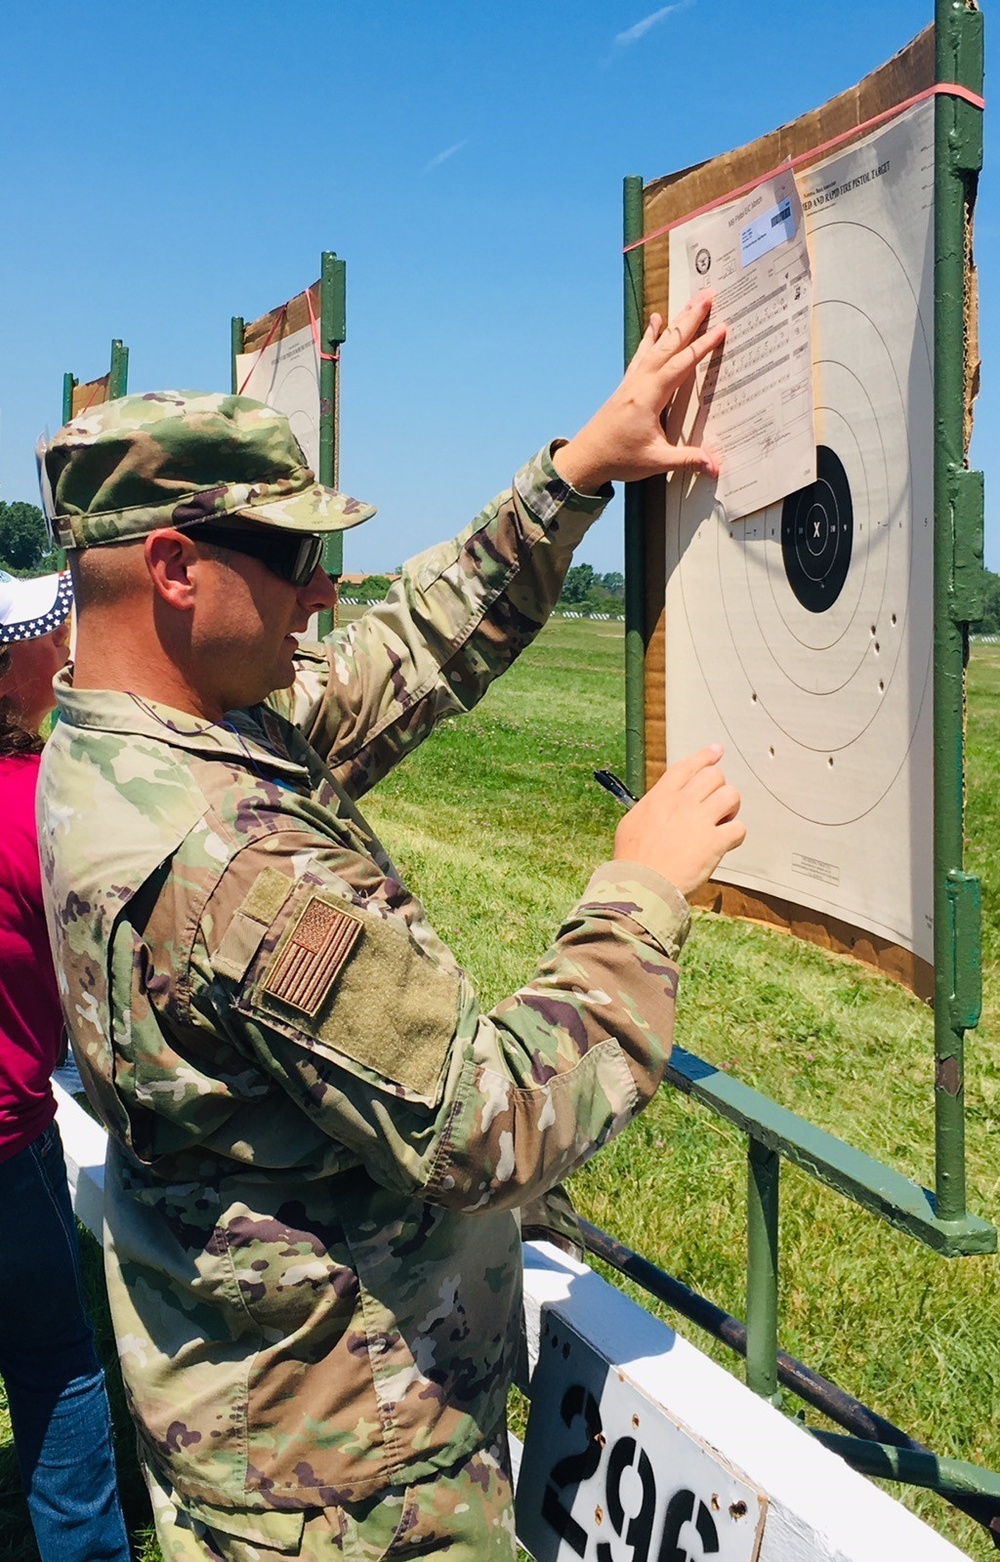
(958,593)
(117,386)
(937,1218)
(332,325)
(332,335)
(117,379)
(635,596)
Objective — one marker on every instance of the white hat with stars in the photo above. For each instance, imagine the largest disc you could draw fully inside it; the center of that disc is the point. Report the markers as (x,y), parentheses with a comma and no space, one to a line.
(29,608)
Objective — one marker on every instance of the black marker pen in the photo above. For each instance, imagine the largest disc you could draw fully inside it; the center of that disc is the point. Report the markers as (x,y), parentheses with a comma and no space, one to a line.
(619,791)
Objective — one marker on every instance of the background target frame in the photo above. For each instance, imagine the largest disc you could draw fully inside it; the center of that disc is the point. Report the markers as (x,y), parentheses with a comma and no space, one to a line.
(322,309)
(78,397)
(951,53)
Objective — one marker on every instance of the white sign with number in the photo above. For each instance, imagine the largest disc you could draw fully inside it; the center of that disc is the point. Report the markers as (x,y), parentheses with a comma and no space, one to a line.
(607,1476)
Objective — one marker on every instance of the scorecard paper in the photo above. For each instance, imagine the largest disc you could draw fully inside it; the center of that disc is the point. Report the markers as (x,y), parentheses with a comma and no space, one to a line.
(754,403)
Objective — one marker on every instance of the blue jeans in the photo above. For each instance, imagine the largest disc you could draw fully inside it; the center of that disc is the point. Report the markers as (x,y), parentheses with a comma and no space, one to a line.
(55,1385)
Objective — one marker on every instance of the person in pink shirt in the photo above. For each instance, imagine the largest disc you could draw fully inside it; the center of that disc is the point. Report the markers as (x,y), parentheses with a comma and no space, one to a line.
(54,1382)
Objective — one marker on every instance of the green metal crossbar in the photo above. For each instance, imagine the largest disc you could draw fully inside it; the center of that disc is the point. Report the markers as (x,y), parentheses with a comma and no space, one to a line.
(949,1477)
(939,1219)
(877,1446)
(888,1193)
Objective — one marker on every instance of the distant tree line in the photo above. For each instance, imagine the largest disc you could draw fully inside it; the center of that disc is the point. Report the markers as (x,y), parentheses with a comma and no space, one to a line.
(989,624)
(372,589)
(587,592)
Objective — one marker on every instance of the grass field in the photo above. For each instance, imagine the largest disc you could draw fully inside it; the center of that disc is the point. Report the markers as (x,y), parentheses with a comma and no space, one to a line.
(497,822)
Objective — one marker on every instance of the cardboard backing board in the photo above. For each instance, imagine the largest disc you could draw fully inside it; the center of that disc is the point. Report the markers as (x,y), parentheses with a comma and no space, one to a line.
(665,202)
(296,313)
(280,365)
(91,394)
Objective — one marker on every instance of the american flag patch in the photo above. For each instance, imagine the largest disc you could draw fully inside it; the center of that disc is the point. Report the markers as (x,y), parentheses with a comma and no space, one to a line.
(303,971)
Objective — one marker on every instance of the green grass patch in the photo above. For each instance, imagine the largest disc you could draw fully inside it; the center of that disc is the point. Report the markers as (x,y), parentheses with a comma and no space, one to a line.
(496,822)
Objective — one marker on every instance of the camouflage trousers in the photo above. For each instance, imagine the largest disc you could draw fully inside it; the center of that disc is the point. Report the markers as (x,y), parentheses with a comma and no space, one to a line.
(465,1514)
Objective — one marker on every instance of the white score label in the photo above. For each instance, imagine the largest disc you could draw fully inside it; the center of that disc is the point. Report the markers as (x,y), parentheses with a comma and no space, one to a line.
(765,233)
(607,1476)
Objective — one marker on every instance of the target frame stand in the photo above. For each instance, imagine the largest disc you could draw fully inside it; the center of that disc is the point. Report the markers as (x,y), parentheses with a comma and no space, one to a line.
(950,53)
(78,398)
(322,309)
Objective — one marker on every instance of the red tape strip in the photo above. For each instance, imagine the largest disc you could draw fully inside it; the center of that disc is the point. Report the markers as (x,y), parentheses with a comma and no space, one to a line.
(278,319)
(91,400)
(940,89)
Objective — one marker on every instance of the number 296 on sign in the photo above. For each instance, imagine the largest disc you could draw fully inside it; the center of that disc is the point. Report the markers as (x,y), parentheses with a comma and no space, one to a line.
(608,1476)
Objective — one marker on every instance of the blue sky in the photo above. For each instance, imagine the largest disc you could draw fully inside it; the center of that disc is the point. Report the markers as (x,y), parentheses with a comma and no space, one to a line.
(166,165)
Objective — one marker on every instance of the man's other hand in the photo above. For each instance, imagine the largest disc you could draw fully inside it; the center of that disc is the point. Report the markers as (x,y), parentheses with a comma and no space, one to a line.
(685,824)
(625,440)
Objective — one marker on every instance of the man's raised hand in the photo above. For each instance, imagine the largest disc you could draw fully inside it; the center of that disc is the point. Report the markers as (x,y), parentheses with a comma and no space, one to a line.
(685,824)
(625,441)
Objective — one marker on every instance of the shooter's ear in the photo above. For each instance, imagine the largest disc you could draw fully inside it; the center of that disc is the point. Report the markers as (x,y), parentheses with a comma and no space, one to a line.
(171,559)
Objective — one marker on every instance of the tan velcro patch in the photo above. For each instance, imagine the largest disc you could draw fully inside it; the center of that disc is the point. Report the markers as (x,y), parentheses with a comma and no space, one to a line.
(377,1001)
(307,966)
(251,920)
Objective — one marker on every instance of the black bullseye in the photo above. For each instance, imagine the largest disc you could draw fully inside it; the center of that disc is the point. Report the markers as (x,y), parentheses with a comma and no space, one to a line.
(817,534)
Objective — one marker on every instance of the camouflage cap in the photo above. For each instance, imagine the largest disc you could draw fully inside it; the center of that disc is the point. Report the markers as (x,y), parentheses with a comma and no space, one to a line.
(171,458)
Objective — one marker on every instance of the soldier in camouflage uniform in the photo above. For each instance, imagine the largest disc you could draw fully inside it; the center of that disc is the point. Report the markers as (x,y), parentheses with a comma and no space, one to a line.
(319,1141)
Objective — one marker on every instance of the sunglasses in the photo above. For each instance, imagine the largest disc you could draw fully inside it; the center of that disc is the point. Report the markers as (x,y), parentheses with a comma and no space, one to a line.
(290,555)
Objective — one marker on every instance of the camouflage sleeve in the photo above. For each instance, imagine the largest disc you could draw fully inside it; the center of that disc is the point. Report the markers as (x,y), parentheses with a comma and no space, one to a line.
(456,618)
(376,1035)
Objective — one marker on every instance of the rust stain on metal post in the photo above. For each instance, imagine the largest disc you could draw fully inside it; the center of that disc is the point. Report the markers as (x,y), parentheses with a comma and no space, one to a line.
(948,1076)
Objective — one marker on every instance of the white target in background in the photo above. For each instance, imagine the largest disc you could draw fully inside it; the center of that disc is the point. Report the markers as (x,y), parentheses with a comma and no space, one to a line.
(802,636)
(285,375)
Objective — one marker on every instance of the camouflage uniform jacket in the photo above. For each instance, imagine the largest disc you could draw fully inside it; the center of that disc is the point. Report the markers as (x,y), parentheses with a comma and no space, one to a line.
(319,1140)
